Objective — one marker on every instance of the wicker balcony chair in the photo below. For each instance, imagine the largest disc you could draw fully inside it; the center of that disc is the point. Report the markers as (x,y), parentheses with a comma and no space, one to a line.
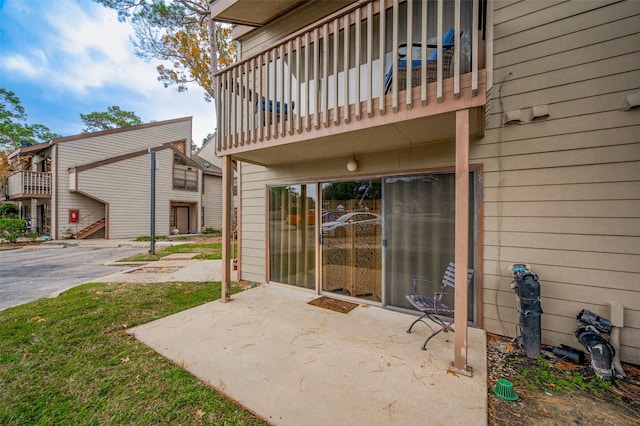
(416,64)
(434,307)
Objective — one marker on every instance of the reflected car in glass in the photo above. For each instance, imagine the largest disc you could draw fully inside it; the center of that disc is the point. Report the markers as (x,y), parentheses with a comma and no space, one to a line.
(348,223)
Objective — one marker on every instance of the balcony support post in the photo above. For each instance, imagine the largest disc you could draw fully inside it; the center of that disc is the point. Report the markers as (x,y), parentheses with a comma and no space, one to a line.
(459,364)
(227,182)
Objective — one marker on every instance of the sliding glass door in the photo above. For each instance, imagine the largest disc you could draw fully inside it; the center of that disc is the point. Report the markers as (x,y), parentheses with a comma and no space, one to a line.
(292,234)
(351,238)
(419,217)
(412,217)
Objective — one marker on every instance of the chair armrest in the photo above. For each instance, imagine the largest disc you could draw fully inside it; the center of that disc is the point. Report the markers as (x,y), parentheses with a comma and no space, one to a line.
(439,294)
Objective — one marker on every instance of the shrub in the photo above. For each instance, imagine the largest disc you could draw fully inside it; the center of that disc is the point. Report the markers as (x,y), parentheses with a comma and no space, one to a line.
(11,228)
(8,210)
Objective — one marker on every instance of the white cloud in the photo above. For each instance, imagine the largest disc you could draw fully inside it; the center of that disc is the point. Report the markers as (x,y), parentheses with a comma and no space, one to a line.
(101,56)
(95,50)
(76,55)
(20,64)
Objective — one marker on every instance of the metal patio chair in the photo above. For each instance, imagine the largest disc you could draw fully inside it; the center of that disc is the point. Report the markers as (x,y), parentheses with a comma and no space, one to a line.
(434,307)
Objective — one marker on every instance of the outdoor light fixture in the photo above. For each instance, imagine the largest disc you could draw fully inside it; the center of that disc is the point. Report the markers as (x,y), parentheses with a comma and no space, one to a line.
(352,165)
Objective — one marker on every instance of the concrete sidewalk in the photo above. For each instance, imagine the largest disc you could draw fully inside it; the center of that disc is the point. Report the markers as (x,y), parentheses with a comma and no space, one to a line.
(296,364)
(170,270)
(174,267)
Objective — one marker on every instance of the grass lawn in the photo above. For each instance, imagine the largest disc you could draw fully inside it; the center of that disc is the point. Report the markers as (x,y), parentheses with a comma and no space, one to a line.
(69,361)
(206,250)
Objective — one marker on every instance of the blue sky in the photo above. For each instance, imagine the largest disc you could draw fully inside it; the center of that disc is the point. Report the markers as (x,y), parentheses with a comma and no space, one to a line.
(67,57)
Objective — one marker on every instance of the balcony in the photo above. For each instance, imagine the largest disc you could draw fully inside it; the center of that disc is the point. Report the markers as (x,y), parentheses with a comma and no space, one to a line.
(340,85)
(25,184)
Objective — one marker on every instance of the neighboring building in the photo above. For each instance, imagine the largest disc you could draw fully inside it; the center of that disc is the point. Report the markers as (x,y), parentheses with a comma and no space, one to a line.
(525,150)
(98,185)
(208,155)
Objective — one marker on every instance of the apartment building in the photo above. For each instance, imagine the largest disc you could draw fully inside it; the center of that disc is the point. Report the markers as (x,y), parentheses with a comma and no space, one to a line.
(376,141)
(100,185)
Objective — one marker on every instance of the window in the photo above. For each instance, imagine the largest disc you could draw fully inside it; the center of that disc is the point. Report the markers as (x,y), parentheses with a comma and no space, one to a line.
(185,177)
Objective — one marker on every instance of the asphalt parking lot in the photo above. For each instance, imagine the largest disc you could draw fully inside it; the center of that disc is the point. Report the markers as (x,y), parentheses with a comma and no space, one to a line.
(34,272)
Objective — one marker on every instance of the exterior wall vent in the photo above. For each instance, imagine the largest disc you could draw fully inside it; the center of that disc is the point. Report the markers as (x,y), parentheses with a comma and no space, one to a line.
(632,102)
(513,117)
(539,112)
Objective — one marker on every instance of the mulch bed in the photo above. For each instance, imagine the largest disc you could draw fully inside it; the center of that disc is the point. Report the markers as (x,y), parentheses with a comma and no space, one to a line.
(619,405)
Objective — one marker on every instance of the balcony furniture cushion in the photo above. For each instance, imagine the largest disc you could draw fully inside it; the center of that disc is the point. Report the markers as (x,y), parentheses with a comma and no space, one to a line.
(263,106)
(448,40)
(266,114)
(416,64)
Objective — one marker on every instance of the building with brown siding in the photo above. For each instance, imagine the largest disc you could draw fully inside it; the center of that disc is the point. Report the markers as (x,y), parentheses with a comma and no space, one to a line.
(98,185)
(525,148)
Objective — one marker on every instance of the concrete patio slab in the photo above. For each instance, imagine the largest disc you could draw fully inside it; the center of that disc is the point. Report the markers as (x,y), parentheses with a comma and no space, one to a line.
(296,364)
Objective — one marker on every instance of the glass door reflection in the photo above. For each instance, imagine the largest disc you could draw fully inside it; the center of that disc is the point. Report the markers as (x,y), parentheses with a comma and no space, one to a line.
(351,238)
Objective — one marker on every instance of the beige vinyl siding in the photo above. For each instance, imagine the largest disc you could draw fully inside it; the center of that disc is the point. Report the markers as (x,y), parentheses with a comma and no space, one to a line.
(564,194)
(212,202)
(123,185)
(265,37)
(208,153)
(128,194)
(102,145)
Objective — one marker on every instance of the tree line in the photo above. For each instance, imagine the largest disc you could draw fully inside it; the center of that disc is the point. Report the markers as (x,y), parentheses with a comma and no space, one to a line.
(15,131)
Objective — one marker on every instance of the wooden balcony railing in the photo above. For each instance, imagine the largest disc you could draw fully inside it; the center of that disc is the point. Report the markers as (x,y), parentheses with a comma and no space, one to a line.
(341,69)
(25,184)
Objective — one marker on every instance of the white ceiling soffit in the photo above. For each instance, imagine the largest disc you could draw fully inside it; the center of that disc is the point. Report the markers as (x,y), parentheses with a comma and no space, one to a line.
(254,13)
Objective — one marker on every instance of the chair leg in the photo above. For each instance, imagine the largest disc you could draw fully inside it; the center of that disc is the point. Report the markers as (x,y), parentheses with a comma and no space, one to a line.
(416,321)
(445,328)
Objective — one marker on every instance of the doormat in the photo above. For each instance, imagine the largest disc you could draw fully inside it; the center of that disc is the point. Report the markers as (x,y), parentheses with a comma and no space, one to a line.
(333,304)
